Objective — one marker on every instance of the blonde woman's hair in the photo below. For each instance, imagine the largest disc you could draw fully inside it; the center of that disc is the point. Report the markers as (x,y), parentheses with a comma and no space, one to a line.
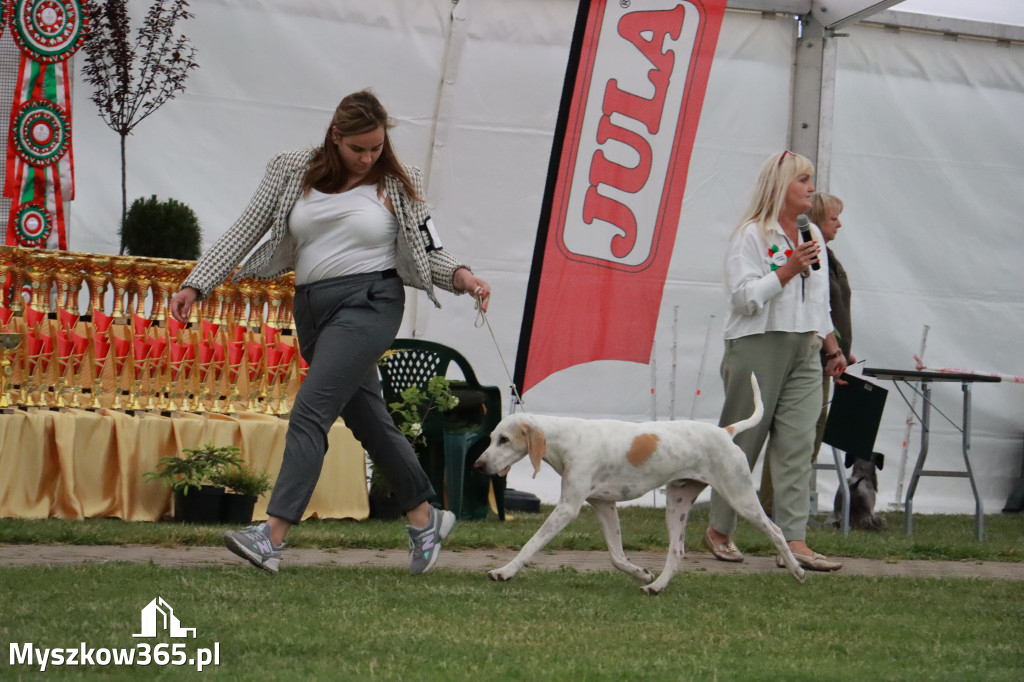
(769,196)
(821,202)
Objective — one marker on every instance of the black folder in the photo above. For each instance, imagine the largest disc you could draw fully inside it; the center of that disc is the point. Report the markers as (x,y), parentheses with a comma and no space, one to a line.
(854,416)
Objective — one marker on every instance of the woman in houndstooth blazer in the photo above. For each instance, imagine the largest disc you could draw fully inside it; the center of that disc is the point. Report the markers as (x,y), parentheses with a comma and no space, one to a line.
(351,221)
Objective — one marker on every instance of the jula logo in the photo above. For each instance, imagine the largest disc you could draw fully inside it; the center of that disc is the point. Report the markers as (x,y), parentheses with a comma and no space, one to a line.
(622,139)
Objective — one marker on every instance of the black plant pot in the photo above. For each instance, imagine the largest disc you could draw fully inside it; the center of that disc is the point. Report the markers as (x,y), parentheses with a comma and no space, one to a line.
(199,506)
(237,509)
(384,506)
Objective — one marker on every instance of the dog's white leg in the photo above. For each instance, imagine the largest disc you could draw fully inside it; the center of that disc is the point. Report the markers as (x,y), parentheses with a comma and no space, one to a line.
(739,493)
(561,516)
(679,497)
(608,515)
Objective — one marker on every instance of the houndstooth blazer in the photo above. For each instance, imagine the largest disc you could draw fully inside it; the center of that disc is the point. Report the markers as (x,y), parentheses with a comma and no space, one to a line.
(420,261)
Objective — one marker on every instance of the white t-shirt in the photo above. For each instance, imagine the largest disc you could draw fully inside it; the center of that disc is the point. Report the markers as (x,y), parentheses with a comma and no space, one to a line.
(342,234)
(758,302)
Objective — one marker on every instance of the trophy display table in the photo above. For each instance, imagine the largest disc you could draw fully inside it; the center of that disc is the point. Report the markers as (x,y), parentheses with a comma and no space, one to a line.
(76,464)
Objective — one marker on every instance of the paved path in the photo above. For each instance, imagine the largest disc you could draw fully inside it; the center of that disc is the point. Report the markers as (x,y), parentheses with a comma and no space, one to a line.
(481,560)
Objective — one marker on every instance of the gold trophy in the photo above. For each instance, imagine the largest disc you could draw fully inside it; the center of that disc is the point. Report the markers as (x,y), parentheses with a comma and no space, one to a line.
(284,371)
(69,281)
(122,270)
(18,258)
(248,297)
(163,288)
(168,279)
(8,342)
(287,286)
(97,279)
(136,405)
(60,379)
(5,266)
(143,281)
(222,297)
(100,349)
(275,297)
(41,277)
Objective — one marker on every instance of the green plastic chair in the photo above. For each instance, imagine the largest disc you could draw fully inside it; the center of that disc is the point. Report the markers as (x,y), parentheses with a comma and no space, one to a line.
(459,435)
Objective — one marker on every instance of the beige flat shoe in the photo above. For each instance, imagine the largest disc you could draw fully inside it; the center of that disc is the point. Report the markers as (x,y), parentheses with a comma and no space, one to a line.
(817,562)
(725,551)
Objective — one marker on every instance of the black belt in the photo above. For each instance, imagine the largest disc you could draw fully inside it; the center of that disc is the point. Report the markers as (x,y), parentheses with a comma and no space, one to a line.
(356,277)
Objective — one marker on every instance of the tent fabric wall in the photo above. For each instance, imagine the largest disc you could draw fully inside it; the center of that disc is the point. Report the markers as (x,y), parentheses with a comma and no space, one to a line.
(928,156)
(475,86)
(270,74)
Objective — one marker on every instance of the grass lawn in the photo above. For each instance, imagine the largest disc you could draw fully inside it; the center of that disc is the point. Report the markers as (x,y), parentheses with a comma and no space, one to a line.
(333,623)
(363,624)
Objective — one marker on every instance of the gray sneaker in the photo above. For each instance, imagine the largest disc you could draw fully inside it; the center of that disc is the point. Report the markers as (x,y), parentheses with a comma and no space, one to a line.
(253,543)
(425,543)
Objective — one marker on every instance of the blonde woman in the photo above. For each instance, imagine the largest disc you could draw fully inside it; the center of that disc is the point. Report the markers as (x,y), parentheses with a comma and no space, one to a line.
(825,210)
(351,221)
(778,324)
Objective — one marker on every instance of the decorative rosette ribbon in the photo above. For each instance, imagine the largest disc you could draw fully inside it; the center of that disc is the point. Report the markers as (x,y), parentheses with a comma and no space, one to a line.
(49,31)
(32,225)
(40,132)
(39,175)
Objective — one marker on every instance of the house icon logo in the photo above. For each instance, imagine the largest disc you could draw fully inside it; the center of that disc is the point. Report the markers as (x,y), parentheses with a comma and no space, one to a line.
(158,614)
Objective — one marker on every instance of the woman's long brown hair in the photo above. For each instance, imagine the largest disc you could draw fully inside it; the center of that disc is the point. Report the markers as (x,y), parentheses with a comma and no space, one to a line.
(358,113)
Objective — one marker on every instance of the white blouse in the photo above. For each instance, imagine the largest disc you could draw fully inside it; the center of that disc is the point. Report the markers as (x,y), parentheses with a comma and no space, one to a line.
(758,302)
(342,234)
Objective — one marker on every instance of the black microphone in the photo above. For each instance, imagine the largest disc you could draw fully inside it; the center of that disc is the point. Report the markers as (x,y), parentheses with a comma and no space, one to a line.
(804,225)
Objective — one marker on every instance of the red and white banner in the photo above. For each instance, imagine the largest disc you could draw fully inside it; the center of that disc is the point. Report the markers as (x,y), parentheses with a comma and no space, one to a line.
(630,106)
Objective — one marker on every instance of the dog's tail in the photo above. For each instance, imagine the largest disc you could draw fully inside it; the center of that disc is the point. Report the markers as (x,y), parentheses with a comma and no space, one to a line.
(755,418)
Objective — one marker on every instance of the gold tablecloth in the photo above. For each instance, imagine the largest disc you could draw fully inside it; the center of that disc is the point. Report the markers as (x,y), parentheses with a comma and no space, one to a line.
(80,464)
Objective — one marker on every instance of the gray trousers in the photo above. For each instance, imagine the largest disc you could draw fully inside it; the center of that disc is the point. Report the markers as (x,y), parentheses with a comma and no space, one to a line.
(788,371)
(344,326)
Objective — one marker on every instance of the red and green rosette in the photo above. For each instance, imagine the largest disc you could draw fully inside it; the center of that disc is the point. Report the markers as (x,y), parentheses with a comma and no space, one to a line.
(40,132)
(39,174)
(49,31)
(32,225)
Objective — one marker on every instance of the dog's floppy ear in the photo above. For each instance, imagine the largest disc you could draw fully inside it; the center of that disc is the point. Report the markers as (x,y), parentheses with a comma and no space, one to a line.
(536,445)
(879,459)
(849,460)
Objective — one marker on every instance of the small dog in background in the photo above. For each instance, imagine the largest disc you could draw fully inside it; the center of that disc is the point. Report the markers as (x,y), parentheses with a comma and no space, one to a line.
(863,491)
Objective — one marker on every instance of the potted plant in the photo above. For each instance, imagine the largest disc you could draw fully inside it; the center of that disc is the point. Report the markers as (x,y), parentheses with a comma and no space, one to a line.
(410,414)
(242,488)
(196,499)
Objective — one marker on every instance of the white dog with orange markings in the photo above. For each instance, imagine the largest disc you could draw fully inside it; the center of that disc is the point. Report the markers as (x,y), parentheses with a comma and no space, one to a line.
(605,461)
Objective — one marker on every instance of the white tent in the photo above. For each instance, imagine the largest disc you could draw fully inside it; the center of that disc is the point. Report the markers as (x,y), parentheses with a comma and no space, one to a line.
(920,134)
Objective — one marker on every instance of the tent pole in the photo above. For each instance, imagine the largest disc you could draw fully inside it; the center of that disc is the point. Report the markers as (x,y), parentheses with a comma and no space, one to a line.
(813,104)
(456,40)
